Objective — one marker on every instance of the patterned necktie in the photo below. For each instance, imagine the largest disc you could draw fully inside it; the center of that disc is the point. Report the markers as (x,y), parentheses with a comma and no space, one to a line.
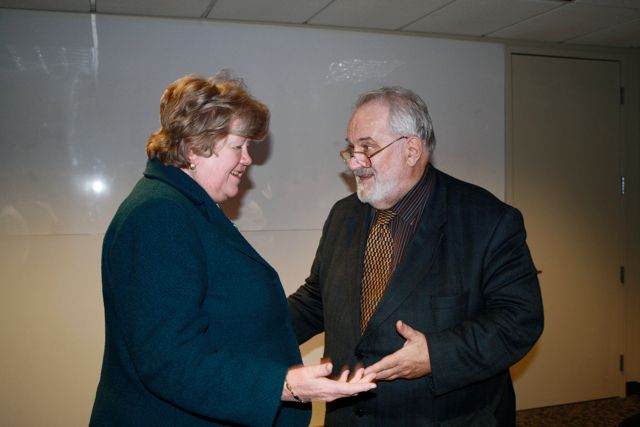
(377,266)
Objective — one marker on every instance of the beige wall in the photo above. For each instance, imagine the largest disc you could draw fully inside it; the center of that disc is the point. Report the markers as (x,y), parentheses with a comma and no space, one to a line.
(51,326)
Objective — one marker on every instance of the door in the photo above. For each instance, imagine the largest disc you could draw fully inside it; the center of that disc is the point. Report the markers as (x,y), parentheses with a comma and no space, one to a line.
(565,178)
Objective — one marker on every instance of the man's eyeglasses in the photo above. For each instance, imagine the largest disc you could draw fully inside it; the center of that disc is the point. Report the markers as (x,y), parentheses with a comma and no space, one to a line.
(362,156)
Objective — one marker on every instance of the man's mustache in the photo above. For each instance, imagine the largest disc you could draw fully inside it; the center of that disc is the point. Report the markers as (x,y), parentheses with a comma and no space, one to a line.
(363,172)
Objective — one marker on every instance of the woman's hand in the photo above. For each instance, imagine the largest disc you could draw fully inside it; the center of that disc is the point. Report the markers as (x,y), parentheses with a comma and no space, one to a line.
(307,383)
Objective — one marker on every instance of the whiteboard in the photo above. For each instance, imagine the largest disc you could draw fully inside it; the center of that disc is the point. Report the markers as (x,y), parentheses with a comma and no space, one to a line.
(81,95)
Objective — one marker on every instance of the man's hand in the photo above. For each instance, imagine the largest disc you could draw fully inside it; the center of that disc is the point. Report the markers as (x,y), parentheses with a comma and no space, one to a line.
(410,362)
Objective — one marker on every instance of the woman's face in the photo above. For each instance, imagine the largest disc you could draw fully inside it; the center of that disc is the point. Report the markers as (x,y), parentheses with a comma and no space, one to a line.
(221,173)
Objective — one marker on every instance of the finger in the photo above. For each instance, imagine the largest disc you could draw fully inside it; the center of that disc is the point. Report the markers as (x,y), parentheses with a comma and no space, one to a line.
(328,367)
(405,330)
(344,376)
(372,369)
(388,374)
(357,375)
(348,389)
(368,378)
(366,386)
(342,370)
(321,370)
(355,388)
(388,366)
(360,377)
(382,364)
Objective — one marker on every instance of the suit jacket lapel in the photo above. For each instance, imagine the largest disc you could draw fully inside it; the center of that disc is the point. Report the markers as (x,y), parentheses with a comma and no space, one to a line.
(357,229)
(417,261)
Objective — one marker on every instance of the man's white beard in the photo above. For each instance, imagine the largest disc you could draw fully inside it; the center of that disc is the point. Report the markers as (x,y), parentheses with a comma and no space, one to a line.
(378,191)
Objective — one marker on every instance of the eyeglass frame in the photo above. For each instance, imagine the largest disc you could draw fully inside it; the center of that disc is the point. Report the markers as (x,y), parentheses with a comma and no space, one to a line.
(349,152)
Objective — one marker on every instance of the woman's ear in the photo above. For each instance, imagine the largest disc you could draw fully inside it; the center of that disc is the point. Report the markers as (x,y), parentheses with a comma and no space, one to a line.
(191,158)
(414,149)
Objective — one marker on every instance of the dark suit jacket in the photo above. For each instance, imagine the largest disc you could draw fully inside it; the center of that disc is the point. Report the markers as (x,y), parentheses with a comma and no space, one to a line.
(467,282)
(197,329)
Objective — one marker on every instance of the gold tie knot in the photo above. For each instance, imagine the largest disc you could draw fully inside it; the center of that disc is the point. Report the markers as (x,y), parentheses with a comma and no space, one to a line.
(385,217)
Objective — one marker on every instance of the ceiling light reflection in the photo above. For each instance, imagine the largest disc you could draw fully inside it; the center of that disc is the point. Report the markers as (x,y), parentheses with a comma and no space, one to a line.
(96,186)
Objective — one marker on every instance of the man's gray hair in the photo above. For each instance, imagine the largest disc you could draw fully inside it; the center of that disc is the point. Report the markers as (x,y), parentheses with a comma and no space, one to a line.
(408,113)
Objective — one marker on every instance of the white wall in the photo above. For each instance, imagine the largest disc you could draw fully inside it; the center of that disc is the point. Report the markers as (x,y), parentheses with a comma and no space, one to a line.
(79,96)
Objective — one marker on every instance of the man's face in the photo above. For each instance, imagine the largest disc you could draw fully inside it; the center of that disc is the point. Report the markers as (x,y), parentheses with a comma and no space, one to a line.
(379,184)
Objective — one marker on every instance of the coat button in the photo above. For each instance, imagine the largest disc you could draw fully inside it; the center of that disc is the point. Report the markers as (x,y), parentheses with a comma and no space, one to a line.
(360,412)
(359,355)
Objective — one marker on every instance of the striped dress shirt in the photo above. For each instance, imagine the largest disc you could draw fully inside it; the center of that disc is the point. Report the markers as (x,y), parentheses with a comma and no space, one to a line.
(408,212)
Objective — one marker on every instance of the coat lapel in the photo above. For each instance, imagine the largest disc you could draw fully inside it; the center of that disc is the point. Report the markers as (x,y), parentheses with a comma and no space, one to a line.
(241,244)
(416,262)
(177,179)
(232,235)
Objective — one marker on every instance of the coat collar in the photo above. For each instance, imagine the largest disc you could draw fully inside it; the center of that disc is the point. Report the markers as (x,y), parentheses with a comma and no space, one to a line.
(183,183)
(177,179)
(180,181)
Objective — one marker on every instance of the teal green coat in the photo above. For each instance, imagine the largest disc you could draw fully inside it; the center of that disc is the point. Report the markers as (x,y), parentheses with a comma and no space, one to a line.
(197,331)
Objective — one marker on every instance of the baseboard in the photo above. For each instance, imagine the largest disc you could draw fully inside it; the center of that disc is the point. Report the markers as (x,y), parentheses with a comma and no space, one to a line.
(633,387)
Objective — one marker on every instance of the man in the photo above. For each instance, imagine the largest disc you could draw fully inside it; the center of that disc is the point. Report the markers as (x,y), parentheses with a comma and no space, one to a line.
(441,316)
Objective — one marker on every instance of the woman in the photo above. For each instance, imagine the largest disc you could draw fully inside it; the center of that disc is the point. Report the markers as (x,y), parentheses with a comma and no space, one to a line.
(197,331)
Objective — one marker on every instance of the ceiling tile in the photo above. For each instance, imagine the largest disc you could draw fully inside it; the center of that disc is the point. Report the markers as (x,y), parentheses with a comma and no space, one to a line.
(179,9)
(379,14)
(567,22)
(289,11)
(596,22)
(623,35)
(59,5)
(479,17)
(630,4)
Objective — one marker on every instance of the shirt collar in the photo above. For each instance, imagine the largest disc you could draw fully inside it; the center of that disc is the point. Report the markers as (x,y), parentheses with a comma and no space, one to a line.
(408,208)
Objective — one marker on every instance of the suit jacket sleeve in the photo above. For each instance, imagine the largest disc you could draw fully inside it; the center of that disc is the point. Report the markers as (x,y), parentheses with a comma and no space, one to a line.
(508,322)
(305,305)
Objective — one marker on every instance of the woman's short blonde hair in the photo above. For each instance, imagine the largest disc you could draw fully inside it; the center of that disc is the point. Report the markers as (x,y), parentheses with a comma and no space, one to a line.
(197,112)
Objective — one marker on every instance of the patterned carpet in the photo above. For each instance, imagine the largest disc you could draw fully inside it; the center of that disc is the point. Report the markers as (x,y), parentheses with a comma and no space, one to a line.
(596,413)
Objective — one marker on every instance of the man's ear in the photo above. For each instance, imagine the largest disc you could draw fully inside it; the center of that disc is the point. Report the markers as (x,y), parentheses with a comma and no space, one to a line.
(414,149)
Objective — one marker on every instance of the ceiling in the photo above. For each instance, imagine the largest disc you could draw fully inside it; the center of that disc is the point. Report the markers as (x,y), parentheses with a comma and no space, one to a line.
(585,22)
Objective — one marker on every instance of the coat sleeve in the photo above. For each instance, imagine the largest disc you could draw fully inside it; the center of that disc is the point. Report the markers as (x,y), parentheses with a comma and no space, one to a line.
(509,322)
(155,281)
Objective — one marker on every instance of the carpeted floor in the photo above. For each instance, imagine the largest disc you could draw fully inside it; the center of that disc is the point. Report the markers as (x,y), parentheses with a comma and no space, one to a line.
(596,413)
